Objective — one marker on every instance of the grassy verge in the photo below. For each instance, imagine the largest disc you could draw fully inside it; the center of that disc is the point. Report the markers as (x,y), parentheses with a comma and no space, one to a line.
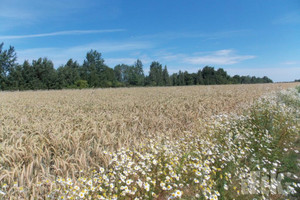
(254,155)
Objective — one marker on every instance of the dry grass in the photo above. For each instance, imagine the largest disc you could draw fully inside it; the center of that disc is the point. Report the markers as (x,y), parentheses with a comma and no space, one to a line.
(45,134)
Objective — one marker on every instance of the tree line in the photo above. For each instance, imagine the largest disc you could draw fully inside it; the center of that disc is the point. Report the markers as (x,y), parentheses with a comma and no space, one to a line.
(94,73)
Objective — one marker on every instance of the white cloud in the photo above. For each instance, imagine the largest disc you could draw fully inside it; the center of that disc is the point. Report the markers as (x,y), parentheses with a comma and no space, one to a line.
(59,33)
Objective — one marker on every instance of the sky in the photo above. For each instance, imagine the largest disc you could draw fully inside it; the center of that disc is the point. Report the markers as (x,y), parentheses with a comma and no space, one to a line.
(248,37)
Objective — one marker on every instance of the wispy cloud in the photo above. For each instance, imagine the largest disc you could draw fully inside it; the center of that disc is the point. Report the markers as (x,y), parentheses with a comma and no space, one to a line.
(220,57)
(60,56)
(192,34)
(19,13)
(112,46)
(291,62)
(11,14)
(129,61)
(289,18)
(60,33)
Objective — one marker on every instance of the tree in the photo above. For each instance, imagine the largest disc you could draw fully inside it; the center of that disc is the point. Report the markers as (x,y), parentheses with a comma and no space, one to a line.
(68,74)
(81,84)
(173,79)
(29,76)
(221,76)
(245,79)
(180,79)
(16,80)
(199,80)
(139,72)
(236,79)
(208,74)
(7,62)
(45,74)
(165,76)
(123,74)
(188,78)
(41,74)
(155,74)
(92,67)
(267,80)
(118,73)
(96,72)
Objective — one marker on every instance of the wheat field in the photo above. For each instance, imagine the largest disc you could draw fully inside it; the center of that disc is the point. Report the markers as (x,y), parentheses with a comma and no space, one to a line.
(50,134)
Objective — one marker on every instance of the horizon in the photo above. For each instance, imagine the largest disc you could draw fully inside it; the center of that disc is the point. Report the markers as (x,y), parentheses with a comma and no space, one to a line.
(252,38)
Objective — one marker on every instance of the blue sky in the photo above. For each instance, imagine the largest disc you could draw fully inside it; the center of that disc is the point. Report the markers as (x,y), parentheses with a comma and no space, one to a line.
(245,37)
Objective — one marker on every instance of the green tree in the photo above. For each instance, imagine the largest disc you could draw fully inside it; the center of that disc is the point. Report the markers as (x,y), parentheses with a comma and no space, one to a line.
(267,80)
(45,74)
(245,79)
(199,79)
(92,67)
(7,62)
(155,74)
(16,79)
(236,79)
(118,73)
(221,76)
(68,74)
(29,76)
(96,72)
(180,78)
(188,78)
(123,74)
(174,80)
(165,76)
(208,74)
(81,84)
(139,73)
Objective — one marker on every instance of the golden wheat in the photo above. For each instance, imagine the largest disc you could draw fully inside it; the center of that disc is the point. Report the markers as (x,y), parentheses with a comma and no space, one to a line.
(45,134)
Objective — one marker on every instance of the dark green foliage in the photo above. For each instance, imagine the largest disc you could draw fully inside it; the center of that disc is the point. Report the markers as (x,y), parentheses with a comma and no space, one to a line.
(188,78)
(208,74)
(127,75)
(156,74)
(68,74)
(165,76)
(139,73)
(180,78)
(16,79)
(94,73)
(221,76)
(81,84)
(45,74)
(173,79)
(199,78)
(7,63)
